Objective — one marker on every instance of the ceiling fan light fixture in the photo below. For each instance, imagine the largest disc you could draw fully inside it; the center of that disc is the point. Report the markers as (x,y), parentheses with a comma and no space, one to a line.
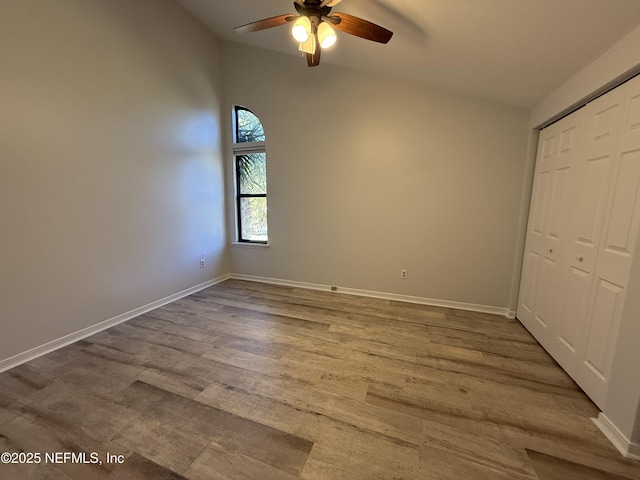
(326,35)
(309,46)
(301,29)
(313,27)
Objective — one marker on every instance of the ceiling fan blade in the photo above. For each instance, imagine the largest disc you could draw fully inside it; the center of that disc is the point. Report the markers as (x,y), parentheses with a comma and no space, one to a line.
(361,28)
(266,23)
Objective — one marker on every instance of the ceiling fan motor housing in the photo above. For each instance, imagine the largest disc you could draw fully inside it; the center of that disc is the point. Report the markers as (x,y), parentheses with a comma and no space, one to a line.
(312,8)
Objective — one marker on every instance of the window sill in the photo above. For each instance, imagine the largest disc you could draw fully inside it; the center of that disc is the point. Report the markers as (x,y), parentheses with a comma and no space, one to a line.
(249,245)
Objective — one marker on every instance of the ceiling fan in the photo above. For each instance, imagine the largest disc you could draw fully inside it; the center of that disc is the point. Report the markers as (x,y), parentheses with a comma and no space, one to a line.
(313,27)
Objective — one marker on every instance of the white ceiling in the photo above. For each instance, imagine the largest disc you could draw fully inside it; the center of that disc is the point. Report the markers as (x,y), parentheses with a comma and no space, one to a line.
(511,51)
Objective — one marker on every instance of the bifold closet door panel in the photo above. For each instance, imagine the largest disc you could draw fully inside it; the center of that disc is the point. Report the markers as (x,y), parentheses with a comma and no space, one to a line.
(544,268)
(527,311)
(588,191)
(615,250)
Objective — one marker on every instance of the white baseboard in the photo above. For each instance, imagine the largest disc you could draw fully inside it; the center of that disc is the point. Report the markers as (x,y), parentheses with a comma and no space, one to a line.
(36,352)
(386,296)
(48,347)
(625,446)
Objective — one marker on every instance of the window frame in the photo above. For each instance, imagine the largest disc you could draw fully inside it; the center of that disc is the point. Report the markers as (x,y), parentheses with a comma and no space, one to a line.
(240,149)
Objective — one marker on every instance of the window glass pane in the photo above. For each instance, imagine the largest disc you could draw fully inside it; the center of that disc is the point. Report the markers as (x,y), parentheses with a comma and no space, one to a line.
(253,214)
(249,128)
(252,172)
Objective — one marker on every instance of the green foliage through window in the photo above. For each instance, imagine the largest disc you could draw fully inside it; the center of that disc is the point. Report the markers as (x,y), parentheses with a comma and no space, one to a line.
(252,168)
(248,127)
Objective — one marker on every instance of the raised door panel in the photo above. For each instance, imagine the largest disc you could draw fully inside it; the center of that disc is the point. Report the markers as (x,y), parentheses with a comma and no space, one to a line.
(540,211)
(592,183)
(575,307)
(543,180)
(597,352)
(620,236)
(546,148)
(529,285)
(545,314)
(557,210)
(566,343)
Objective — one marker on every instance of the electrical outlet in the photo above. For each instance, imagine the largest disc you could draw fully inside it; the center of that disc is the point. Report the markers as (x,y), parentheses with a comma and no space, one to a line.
(403,274)
(202,263)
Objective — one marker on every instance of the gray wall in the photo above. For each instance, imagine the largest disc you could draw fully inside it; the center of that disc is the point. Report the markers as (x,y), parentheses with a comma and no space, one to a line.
(111,174)
(368,176)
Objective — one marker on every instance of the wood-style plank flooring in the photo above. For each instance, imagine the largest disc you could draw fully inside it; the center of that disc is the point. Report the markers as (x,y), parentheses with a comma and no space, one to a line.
(253,381)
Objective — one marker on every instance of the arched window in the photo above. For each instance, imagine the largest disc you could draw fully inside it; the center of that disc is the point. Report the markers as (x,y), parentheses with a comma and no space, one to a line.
(250,162)
(248,126)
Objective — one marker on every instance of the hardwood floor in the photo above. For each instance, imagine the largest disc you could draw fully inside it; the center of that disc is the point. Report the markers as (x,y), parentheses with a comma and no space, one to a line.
(254,381)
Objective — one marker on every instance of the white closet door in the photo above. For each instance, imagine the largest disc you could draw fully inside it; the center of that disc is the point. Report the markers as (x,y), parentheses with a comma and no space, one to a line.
(583,226)
(615,251)
(588,191)
(543,270)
